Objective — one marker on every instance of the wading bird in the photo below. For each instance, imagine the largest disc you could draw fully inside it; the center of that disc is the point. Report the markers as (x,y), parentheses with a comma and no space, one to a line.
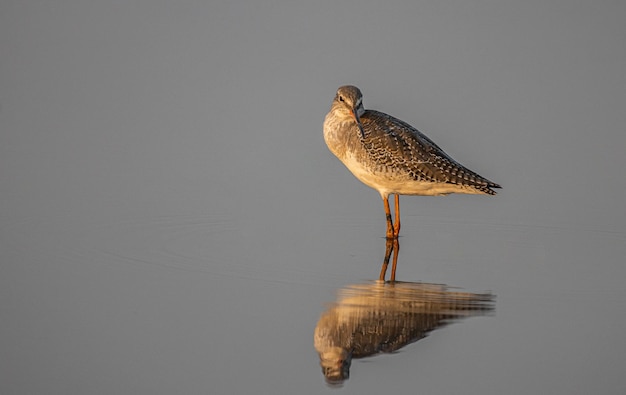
(393,157)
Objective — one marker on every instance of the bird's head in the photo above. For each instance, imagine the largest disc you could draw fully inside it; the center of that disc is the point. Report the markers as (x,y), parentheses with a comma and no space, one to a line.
(348,103)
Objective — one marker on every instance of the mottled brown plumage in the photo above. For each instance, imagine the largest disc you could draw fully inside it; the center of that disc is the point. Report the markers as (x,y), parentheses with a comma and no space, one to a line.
(393,157)
(392,143)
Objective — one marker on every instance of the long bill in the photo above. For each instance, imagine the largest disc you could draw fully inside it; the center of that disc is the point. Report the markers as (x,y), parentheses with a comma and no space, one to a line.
(355,114)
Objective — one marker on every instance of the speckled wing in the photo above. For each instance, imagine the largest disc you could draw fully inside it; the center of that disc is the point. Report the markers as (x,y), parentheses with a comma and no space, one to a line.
(391,142)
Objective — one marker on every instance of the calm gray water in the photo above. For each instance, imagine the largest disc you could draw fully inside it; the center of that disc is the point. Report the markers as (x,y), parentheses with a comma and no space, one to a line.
(172,222)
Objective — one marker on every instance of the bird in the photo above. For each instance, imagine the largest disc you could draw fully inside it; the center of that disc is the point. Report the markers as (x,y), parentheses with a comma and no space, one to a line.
(393,157)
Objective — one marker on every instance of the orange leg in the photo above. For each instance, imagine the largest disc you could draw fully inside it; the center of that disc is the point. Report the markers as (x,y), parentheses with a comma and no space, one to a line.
(396,247)
(390,231)
(392,247)
(388,251)
(396,229)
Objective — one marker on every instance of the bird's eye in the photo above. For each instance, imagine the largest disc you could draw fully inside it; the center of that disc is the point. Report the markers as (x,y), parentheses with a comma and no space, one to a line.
(340,98)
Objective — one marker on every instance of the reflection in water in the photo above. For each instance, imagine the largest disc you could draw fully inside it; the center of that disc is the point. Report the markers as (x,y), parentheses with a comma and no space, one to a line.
(380,317)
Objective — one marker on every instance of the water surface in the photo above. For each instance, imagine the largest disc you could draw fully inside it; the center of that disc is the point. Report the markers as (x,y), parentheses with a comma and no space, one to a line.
(172,222)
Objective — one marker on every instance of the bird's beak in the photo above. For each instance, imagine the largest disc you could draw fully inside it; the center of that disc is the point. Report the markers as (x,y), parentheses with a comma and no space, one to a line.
(355,114)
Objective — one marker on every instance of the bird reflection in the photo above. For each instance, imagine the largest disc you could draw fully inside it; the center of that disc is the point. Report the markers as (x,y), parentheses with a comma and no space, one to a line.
(380,317)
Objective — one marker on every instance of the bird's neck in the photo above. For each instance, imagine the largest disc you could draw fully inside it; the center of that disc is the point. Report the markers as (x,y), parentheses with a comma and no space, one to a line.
(341,134)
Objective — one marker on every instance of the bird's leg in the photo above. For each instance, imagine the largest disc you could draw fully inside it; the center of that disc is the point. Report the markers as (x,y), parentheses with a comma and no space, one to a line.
(390,232)
(388,251)
(396,229)
(396,248)
(392,247)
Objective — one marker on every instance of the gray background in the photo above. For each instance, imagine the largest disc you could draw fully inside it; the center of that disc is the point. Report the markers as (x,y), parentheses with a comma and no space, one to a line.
(172,222)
